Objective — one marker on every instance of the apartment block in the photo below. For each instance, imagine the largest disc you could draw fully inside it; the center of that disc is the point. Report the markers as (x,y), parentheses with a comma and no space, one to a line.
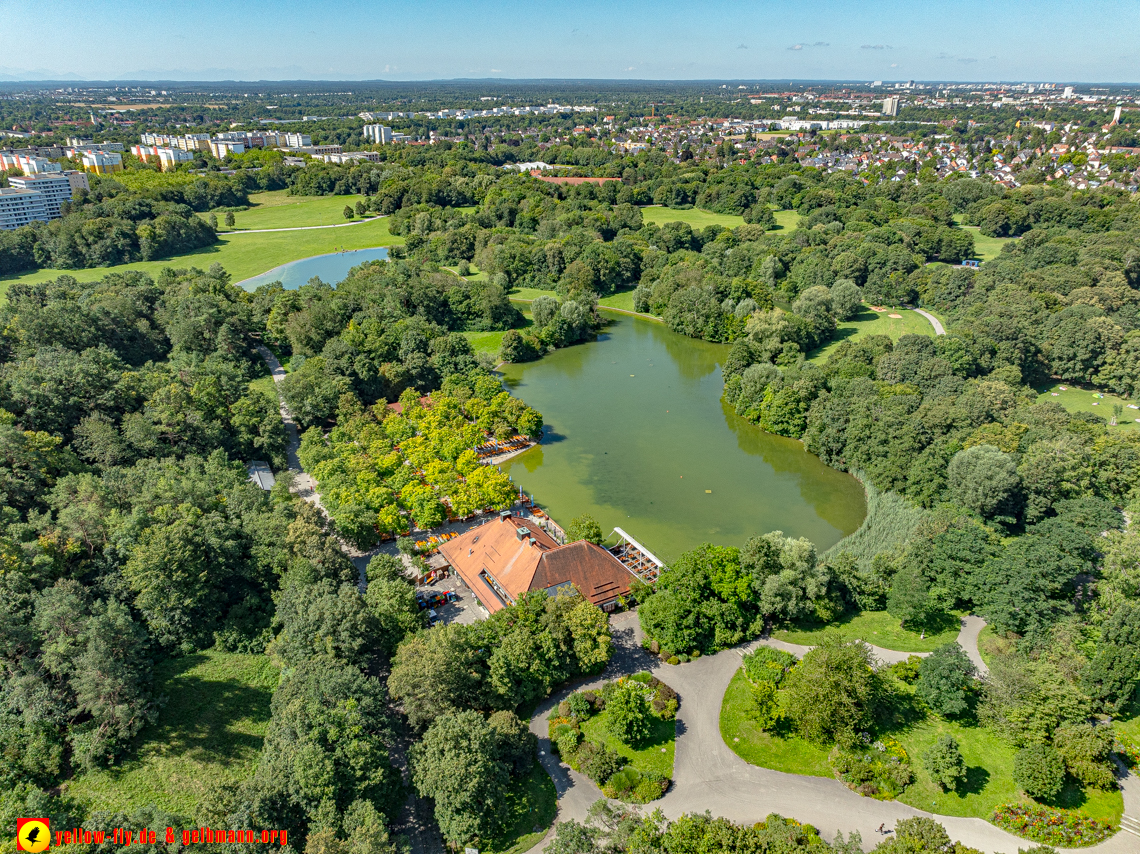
(20,207)
(379,134)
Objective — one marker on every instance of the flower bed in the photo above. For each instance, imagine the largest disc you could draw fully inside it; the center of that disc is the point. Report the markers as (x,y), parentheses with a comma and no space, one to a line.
(629,775)
(1050,826)
(1128,752)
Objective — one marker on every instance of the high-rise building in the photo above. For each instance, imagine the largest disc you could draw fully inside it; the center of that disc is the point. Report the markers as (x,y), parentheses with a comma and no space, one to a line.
(1068,92)
(54,188)
(20,207)
(101,162)
(28,164)
(891,105)
(379,134)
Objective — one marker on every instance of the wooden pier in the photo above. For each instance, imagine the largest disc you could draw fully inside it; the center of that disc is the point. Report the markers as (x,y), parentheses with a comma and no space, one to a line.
(636,557)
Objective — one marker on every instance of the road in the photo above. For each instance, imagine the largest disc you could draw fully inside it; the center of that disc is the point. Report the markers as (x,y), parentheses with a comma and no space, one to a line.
(707,775)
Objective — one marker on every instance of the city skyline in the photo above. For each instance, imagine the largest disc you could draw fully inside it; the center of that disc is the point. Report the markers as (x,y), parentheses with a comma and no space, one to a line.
(436,40)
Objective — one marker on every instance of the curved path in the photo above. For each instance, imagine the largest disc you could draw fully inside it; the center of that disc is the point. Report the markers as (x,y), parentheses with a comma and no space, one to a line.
(707,775)
(304,227)
(934,321)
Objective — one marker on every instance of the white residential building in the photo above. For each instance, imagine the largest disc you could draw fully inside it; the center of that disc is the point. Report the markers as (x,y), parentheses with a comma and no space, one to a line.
(379,134)
(221,147)
(891,105)
(55,189)
(20,207)
(28,164)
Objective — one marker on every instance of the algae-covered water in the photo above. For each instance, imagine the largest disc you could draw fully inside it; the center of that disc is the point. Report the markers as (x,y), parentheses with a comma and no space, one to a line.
(637,436)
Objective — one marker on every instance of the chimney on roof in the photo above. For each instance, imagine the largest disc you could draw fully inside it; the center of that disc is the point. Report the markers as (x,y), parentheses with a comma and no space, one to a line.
(504,515)
(522,533)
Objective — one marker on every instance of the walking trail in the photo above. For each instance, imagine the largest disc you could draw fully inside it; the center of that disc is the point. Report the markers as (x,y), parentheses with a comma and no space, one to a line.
(303,227)
(934,321)
(707,775)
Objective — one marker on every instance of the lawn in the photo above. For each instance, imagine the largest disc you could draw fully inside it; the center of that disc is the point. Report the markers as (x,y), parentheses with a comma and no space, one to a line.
(622,300)
(1085,399)
(530,294)
(790,753)
(1128,723)
(277,209)
(243,255)
(490,342)
(654,757)
(695,217)
(985,248)
(874,627)
(868,322)
(531,804)
(210,731)
(989,762)
(787,220)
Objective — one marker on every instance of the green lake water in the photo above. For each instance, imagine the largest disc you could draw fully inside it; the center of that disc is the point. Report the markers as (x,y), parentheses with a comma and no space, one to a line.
(636,435)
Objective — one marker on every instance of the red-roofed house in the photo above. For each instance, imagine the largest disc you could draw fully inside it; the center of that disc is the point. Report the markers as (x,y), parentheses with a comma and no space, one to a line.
(504,558)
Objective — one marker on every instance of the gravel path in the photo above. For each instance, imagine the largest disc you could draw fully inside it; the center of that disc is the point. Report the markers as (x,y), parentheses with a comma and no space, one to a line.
(707,775)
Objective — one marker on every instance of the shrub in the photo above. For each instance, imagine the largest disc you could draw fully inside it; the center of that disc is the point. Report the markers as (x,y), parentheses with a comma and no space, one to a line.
(907,671)
(765,705)
(579,707)
(881,771)
(567,742)
(564,709)
(1087,753)
(1039,770)
(684,659)
(944,762)
(767,664)
(673,660)
(598,762)
(1050,826)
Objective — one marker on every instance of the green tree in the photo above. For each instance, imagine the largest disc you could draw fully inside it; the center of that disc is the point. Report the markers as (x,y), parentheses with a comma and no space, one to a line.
(457,765)
(584,528)
(230,220)
(630,717)
(944,762)
(984,479)
(945,679)
(348,212)
(360,209)
(1087,752)
(212,219)
(1039,770)
(765,704)
(835,691)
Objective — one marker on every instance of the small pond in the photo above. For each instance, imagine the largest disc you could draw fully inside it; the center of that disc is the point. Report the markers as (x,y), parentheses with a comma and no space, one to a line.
(637,436)
(329,268)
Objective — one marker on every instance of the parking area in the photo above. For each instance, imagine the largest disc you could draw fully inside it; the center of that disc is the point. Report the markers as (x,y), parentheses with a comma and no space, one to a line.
(461,607)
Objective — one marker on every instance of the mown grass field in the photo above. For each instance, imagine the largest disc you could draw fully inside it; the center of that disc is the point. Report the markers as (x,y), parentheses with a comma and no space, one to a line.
(868,322)
(695,217)
(210,731)
(985,248)
(531,803)
(622,300)
(243,255)
(277,209)
(874,627)
(1084,399)
(989,762)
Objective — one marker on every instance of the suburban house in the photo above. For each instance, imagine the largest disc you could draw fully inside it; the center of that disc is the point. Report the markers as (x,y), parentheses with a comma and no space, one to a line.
(504,558)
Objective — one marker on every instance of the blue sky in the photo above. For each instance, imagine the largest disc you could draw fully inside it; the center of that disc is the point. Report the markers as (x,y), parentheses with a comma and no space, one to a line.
(1095,40)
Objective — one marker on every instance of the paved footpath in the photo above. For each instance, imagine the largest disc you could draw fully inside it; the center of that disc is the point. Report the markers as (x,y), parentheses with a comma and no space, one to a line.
(934,321)
(303,227)
(707,775)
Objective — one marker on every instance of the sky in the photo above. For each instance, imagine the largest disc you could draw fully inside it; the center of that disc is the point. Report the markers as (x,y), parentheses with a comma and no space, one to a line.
(1047,41)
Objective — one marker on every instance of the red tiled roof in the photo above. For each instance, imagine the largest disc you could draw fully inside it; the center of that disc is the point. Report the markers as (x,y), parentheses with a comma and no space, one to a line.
(507,557)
